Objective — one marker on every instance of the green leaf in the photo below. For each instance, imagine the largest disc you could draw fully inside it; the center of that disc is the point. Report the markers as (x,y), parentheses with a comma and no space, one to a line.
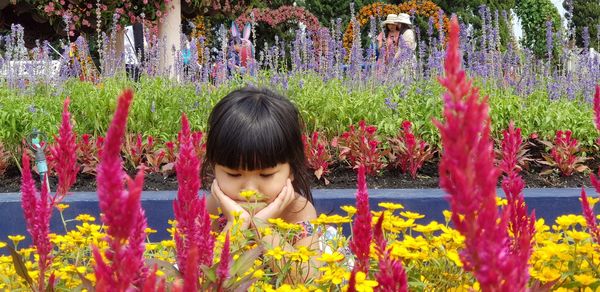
(20,266)
(165,267)
(246,261)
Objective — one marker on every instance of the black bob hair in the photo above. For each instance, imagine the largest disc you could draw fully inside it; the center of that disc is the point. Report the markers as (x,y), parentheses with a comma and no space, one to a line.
(255,128)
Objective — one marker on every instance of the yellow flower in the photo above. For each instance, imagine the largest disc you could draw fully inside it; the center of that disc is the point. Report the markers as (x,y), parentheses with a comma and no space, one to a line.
(585,279)
(333,219)
(302,254)
(391,206)
(545,275)
(565,221)
(16,238)
(258,274)
(592,201)
(453,256)
(85,218)
(149,230)
(168,243)
(248,194)
(62,207)
(2,244)
(276,253)
(447,215)
(351,210)
(412,215)
(501,202)
(281,224)
(429,228)
(331,257)
(577,235)
(362,284)
(332,273)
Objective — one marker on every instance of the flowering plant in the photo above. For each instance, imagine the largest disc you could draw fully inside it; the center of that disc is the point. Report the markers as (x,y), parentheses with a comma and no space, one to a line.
(409,152)
(316,149)
(563,154)
(361,147)
(96,15)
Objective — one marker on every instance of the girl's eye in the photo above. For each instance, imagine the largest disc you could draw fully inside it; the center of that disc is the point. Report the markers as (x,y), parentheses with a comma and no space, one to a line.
(233,174)
(266,174)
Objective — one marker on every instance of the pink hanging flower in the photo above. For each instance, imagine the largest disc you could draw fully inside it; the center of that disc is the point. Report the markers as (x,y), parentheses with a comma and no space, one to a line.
(37,213)
(64,155)
(122,212)
(361,229)
(468,175)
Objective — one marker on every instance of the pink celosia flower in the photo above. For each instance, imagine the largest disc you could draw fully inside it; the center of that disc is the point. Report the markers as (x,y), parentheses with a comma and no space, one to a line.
(391,275)
(64,155)
(521,226)
(37,213)
(190,277)
(153,283)
(223,269)
(123,215)
(361,228)
(352,281)
(193,220)
(468,175)
(590,219)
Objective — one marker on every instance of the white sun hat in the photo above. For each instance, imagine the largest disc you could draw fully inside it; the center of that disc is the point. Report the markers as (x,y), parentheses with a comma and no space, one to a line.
(403,18)
(391,19)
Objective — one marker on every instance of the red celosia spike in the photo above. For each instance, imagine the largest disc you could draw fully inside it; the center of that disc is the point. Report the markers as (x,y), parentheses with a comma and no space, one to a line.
(352,281)
(223,269)
(37,213)
(110,172)
(190,277)
(28,192)
(590,217)
(361,229)
(122,211)
(597,107)
(64,155)
(193,221)
(153,283)
(378,234)
(468,175)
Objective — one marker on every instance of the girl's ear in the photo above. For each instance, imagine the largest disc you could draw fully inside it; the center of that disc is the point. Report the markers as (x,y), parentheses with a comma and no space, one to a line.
(247,30)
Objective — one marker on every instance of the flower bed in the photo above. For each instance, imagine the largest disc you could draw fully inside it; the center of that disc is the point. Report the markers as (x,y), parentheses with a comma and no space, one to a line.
(479,246)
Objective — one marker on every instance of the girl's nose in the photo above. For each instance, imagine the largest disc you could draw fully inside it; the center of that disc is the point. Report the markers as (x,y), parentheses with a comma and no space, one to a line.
(250,185)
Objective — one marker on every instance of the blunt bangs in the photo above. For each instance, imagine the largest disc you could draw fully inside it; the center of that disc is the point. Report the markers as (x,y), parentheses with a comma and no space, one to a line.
(252,134)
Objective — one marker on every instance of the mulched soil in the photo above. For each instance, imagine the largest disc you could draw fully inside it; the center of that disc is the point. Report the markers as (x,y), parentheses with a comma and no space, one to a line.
(341,176)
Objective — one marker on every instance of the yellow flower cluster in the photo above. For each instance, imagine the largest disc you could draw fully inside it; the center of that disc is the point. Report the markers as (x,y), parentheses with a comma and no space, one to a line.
(564,256)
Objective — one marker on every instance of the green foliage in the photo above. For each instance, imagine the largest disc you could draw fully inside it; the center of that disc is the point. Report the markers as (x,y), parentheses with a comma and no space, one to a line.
(586,13)
(325,106)
(534,14)
(468,12)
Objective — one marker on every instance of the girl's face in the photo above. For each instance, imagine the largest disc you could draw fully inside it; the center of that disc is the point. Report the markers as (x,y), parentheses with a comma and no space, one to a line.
(268,181)
(392,27)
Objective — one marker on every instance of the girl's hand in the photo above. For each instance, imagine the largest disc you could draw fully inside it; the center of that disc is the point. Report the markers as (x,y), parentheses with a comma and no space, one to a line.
(283,200)
(229,206)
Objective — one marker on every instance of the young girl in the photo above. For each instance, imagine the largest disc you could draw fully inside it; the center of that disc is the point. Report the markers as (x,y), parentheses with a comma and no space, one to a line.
(254,143)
